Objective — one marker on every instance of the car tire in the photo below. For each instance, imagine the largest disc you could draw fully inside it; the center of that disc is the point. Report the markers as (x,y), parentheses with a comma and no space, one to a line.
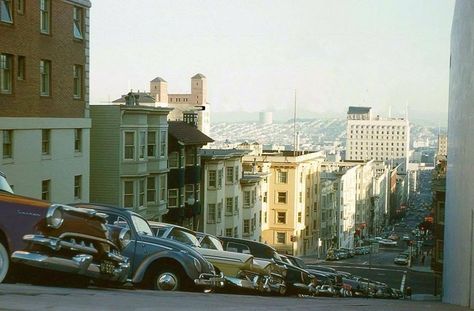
(4,262)
(168,278)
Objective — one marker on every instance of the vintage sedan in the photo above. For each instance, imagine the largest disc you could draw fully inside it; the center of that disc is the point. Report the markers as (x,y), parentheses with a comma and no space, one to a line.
(297,280)
(240,270)
(157,263)
(56,237)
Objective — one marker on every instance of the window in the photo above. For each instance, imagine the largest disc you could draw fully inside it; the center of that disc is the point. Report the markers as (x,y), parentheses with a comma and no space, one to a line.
(77,85)
(20,7)
(45,141)
(151,189)
(265,219)
(45,21)
(281,237)
(20,75)
(219,178)
(246,199)
(236,206)
(265,195)
(211,213)
(211,179)
(219,212)
(141,192)
(77,24)
(229,205)
(301,197)
(6,11)
(46,190)
(128,194)
(229,175)
(189,193)
(246,226)
(141,145)
(228,232)
(281,197)
(172,198)
(299,216)
(236,233)
(45,77)
(236,174)
(6,73)
(163,147)
(162,188)
(7,144)
(173,159)
(77,140)
(129,146)
(190,157)
(77,187)
(281,217)
(151,144)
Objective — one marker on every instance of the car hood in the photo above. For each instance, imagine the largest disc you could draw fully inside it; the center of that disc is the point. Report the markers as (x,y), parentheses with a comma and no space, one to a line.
(176,246)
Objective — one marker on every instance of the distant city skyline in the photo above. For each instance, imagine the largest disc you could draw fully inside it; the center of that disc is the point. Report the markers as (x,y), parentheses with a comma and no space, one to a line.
(256,54)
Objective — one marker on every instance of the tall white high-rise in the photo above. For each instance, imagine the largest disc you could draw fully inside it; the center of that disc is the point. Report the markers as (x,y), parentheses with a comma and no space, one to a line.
(372,137)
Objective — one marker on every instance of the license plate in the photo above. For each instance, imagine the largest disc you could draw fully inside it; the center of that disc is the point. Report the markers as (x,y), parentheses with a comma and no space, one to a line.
(107,267)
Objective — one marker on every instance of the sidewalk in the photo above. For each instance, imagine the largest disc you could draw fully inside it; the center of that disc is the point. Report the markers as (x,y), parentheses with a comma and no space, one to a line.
(420,266)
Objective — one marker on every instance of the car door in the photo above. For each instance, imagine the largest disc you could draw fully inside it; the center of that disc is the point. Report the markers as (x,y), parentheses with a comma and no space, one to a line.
(130,249)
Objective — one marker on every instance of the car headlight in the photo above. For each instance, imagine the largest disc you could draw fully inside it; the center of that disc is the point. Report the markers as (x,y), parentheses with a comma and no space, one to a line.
(54,216)
(197,264)
(125,237)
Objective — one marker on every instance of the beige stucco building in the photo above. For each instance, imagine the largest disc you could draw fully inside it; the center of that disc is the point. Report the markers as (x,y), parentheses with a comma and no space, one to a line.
(196,100)
(288,197)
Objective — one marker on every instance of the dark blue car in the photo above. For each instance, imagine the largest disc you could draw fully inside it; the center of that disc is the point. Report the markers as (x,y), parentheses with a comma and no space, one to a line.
(156,263)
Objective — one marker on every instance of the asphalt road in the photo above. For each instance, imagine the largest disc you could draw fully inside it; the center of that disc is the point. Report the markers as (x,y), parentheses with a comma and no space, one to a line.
(380,267)
(16,297)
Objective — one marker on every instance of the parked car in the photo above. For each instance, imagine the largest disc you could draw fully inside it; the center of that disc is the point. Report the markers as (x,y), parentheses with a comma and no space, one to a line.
(298,281)
(401,259)
(387,242)
(159,264)
(56,237)
(239,269)
(349,251)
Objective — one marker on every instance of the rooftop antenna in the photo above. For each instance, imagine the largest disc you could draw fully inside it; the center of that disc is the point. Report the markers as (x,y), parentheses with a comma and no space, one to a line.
(294,127)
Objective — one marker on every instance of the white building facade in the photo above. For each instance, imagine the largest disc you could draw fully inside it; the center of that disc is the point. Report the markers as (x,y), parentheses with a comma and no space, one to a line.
(458,261)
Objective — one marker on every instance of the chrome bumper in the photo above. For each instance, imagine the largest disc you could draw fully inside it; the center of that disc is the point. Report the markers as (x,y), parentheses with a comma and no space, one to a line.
(258,283)
(210,280)
(81,264)
(305,288)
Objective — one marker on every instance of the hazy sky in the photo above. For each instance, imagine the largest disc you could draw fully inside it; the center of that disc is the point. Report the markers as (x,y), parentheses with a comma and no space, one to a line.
(255,53)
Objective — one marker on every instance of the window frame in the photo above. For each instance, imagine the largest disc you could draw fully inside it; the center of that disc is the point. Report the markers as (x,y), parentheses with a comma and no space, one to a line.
(173,194)
(78,22)
(129,146)
(211,213)
(77,140)
(278,237)
(45,17)
(282,177)
(279,216)
(163,187)
(6,74)
(151,144)
(7,144)
(126,196)
(46,190)
(151,189)
(78,78)
(229,175)
(46,142)
(77,187)
(45,78)
(279,201)
(9,6)
(212,179)
(21,67)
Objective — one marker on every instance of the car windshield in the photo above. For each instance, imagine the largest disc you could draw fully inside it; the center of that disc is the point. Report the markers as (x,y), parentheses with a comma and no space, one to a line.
(141,226)
(4,186)
(184,237)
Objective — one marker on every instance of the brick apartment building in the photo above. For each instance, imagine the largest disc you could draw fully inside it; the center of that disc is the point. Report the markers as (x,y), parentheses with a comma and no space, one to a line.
(44,94)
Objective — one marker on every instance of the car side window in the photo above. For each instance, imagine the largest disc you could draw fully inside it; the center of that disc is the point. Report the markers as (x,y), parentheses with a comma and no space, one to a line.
(117,220)
(238,248)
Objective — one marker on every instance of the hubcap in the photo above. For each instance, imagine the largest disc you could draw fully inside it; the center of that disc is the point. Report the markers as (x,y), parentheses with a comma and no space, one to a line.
(167,281)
